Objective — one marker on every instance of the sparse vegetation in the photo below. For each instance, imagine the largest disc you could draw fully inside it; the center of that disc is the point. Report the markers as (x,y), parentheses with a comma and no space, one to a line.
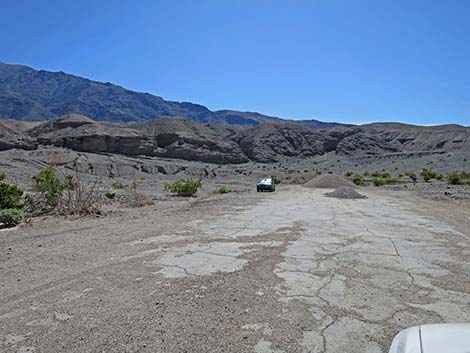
(10,205)
(118,185)
(110,195)
(276,180)
(378,181)
(392,180)
(358,179)
(454,178)
(66,195)
(223,190)
(10,196)
(11,217)
(428,175)
(182,187)
(49,185)
(2,176)
(458,178)
(411,175)
(382,175)
(348,174)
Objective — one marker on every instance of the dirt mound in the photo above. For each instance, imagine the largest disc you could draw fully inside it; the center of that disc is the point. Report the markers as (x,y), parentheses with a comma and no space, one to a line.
(328,181)
(345,192)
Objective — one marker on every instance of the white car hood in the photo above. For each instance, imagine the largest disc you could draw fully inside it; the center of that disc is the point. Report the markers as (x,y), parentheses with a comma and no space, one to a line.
(438,338)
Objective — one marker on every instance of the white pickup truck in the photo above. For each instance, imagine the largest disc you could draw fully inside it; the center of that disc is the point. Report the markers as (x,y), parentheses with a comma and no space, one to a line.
(438,338)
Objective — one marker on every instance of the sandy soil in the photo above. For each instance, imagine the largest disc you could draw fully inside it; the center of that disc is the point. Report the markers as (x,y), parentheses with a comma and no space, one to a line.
(291,271)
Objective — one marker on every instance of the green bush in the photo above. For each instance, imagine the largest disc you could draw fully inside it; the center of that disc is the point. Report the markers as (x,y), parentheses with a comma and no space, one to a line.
(378,181)
(428,175)
(110,195)
(391,180)
(47,183)
(118,185)
(411,175)
(381,174)
(183,187)
(348,174)
(358,179)
(276,179)
(10,196)
(11,217)
(454,178)
(2,176)
(223,190)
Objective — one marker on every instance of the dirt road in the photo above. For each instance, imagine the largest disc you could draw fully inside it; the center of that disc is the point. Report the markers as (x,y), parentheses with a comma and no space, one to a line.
(291,271)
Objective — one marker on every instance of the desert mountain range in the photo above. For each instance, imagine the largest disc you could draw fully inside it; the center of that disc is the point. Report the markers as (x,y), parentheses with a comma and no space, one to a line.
(182,138)
(41,108)
(28,94)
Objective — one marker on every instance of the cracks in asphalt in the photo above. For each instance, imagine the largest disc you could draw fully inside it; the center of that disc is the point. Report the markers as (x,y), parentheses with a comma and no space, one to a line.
(396,249)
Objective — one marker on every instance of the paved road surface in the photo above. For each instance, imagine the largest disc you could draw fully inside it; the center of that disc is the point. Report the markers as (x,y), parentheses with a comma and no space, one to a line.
(292,271)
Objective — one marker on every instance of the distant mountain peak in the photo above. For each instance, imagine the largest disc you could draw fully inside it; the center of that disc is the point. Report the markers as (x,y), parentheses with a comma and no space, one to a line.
(38,95)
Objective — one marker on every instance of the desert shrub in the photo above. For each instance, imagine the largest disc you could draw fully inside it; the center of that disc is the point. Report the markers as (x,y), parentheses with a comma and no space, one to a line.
(63,195)
(276,179)
(110,195)
(381,175)
(79,197)
(348,174)
(439,176)
(11,217)
(49,185)
(454,178)
(223,190)
(366,173)
(10,196)
(428,175)
(184,187)
(391,180)
(118,185)
(465,175)
(411,175)
(358,179)
(2,176)
(378,181)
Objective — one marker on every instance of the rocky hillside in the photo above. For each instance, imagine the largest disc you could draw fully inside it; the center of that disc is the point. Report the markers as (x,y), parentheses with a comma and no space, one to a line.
(186,139)
(28,94)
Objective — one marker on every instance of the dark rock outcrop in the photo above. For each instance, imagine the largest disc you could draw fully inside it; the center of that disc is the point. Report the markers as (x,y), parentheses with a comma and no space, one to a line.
(13,136)
(185,139)
(80,133)
(182,138)
(265,143)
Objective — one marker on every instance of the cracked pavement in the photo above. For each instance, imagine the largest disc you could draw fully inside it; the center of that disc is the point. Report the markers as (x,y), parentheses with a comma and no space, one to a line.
(291,271)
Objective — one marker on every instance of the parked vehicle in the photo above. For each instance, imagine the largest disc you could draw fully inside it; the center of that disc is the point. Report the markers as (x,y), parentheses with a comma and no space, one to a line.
(437,338)
(266,184)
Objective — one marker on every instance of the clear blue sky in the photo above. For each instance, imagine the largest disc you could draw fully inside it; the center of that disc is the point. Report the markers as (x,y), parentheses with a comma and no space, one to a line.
(344,60)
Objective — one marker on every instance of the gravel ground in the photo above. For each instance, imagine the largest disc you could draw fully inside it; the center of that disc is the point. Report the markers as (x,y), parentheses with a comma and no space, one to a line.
(345,192)
(290,271)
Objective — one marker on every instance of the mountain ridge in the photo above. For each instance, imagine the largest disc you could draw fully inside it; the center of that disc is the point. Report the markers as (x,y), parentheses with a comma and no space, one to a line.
(271,142)
(40,95)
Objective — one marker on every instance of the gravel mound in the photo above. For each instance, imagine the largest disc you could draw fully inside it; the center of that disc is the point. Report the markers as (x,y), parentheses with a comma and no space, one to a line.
(328,181)
(345,192)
